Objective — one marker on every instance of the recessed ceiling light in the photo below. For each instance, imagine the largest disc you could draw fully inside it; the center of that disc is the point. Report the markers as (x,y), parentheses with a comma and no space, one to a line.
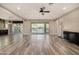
(18,8)
(64,8)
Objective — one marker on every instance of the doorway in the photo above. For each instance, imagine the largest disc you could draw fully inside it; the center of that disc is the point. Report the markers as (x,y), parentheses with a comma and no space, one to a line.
(40,28)
(17,28)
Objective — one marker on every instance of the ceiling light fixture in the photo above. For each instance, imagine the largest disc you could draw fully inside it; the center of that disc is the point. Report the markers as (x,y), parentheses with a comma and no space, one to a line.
(18,8)
(64,8)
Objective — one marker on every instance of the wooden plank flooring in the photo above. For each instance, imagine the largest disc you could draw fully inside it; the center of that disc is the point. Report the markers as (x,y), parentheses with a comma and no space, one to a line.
(36,45)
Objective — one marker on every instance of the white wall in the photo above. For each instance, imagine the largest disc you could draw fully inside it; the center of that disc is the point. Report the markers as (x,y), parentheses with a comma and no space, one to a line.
(52,28)
(69,22)
(26,27)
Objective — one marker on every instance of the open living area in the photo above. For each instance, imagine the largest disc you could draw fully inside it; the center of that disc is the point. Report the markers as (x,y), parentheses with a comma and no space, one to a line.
(39,28)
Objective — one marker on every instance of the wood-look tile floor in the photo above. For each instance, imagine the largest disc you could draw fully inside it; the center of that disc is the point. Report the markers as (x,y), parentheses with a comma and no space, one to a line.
(36,45)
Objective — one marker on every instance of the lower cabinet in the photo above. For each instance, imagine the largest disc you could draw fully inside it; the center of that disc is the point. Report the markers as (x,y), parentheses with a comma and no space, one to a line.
(72,37)
(3,32)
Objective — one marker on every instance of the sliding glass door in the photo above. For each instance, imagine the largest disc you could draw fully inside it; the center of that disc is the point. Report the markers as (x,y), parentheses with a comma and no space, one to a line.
(40,28)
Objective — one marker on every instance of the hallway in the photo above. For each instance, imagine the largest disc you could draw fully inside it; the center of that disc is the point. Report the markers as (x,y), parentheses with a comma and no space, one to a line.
(37,45)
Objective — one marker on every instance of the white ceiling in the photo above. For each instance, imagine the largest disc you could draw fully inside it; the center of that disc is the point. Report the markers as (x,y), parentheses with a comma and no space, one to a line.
(7,15)
(31,10)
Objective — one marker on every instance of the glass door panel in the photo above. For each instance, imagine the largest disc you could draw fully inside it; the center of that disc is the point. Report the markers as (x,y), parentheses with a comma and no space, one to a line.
(37,28)
(40,28)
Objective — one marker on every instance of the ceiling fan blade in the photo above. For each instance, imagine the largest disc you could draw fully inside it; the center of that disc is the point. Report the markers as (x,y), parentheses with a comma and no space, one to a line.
(46,11)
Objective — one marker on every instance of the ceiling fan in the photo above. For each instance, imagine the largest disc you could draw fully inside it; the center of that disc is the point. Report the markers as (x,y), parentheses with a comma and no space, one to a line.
(42,10)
